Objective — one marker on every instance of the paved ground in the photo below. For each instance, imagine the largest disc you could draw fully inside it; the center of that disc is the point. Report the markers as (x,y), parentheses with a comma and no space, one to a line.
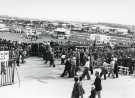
(40,81)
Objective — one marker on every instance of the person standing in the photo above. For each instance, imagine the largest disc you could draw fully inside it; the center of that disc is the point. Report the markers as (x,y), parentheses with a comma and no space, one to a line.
(73,66)
(86,70)
(17,57)
(18,61)
(44,53)
(111,68)
(91,65)
(97,84)
(76,88)
(93,92)
(77,63)
(46,56)
(23,56)
(52,60)
(82,92)
(81,57)
(63,59)
(116,69)
(130,65)
(104,70)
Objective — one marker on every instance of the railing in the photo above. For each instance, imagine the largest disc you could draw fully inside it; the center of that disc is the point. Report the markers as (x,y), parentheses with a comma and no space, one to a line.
(123,70)
(7,69)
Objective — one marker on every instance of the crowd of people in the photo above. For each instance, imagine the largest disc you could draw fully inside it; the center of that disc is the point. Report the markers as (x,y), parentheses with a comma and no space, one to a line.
(79,62)
(89,58)
(78,90)
(17,51)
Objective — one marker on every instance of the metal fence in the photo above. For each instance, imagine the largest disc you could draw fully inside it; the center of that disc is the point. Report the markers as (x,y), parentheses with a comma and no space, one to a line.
(124,70)
(7,69)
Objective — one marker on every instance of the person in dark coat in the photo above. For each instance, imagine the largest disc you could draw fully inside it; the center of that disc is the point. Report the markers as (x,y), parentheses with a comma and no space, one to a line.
(81,58)
(93,92)
(76,89)
(73,66)
(18,61)
(116,69)
(44,53)
(52,60)
(82,91)
(47,56)
(67,68)
(77,64)
(130,65)
(133,66)
(91,65)
(97,84)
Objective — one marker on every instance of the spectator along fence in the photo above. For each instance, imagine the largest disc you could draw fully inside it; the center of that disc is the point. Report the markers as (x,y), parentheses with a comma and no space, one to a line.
(7,69)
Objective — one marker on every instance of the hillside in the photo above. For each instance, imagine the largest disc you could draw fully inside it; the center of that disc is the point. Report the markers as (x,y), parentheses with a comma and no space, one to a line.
(115,25)
(78,36)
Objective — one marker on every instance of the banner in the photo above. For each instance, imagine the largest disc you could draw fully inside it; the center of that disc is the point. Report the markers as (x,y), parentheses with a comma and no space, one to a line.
(4,55)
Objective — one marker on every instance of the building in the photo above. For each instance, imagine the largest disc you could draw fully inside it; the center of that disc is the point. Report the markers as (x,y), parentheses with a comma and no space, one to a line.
(29,31)
(61,33)
(4,28)
(100,38)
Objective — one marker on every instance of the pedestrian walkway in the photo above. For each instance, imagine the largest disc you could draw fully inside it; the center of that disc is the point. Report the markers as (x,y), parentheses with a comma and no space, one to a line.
(38,80)
(35,68)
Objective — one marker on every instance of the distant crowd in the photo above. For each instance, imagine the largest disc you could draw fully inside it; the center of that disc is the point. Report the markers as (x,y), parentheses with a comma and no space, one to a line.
(79,62)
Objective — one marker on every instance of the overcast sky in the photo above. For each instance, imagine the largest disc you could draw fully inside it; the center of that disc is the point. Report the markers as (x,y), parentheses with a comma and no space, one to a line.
(115,11)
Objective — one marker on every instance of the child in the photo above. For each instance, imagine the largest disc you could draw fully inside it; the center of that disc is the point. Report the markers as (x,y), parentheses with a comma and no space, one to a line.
(76,88)
(93,92)
(81,87)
